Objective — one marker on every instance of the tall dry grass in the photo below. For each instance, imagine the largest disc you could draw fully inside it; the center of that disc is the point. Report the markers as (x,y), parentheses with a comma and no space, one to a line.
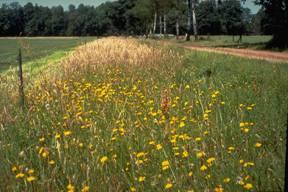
(115,51)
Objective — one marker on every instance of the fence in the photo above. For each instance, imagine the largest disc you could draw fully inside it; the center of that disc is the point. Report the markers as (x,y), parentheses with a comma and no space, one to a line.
(5,66)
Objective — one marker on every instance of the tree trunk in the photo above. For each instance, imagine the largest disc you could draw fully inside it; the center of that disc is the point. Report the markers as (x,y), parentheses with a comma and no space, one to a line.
(165,24)
(177,19)
(151,29)
(240,38)
(160,25)
(155,22)
(177,28)
(189,21)
(195,30)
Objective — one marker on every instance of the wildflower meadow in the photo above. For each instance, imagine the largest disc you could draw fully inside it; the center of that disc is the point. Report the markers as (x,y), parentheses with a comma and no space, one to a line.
(123,114)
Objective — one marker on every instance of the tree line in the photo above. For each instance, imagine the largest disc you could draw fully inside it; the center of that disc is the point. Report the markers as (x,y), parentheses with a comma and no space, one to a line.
(133,17)
(138,17)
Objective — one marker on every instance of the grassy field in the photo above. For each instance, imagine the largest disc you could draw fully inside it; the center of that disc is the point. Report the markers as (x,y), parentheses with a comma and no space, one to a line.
(251,42)
(122,114)
(33,48)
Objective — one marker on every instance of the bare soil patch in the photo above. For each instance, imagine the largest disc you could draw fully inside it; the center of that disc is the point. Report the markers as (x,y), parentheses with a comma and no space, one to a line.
(247,53)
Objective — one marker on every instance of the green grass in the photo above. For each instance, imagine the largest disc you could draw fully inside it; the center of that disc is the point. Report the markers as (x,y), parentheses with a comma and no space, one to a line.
(32,70)
(33,48)
(107,128)
(248,42)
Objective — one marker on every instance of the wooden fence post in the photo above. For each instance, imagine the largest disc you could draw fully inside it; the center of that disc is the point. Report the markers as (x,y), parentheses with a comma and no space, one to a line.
(21,83)
(286,160)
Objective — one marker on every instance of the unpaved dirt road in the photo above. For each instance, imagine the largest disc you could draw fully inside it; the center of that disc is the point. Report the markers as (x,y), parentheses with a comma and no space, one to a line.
(247,53)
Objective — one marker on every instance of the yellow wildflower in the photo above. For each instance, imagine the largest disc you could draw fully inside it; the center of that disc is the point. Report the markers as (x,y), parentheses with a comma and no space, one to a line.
(248,164)
(44,154)
(141,179)
(173,141)
(208,111)
(249,108)
(67,133)
(51,162)
(151,142)
(168,185)
(203,168)
(159,147)
(226,180)
(200,154)
(248,186)
(240,181)
(185,154)
(165,165)
(31,171)
(182,124)
(114,157)
(140,154)
(70,188)
(57,136)
(245,130)
(153,114)
(31,178)
(218,189)
(139,162)
(230,149)
(14,168)
(210,160)
(85,189)
(19,175)
(208,176)
(132,189)
(257,145)
(198,139)
(104,159)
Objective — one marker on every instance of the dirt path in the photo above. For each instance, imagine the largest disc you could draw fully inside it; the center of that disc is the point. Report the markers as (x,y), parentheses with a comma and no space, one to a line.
(247,53)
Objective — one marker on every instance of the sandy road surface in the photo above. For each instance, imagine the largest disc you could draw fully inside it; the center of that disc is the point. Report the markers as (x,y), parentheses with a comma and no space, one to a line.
(247,53)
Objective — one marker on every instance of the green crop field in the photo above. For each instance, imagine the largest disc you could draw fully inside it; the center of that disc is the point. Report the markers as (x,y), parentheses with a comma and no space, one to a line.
(123,114)
(33,48)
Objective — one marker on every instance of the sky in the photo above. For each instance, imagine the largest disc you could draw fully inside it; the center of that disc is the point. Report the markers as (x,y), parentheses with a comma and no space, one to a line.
(250,4)
(65,3)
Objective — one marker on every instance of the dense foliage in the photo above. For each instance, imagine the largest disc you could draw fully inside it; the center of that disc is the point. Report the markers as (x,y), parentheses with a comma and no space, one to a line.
(276,20)
(131,17)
